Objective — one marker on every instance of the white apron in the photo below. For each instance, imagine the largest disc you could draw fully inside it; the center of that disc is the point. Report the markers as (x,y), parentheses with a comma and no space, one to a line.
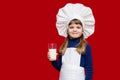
(71,69)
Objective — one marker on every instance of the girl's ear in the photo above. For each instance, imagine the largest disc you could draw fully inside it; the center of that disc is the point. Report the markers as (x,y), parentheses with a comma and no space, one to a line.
(67,31)
(82,30)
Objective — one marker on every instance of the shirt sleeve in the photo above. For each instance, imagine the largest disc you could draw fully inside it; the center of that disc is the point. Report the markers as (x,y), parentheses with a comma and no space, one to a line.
(57,64)
(88,64)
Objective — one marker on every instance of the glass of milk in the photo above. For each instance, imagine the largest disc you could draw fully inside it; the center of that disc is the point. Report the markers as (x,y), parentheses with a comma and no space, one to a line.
(52,48)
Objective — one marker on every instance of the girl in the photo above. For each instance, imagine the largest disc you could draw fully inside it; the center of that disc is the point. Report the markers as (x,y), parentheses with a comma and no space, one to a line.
(75,59)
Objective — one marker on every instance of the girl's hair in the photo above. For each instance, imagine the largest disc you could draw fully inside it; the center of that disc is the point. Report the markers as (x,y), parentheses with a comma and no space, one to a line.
(81,46)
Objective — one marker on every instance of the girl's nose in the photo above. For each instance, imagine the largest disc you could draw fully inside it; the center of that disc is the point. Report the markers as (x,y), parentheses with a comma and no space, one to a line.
(74,29)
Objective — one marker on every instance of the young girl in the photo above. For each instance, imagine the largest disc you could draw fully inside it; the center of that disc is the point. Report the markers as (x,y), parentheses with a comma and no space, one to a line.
(75,59)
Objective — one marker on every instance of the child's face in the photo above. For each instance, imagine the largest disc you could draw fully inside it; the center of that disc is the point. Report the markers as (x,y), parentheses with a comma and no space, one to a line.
(75,30)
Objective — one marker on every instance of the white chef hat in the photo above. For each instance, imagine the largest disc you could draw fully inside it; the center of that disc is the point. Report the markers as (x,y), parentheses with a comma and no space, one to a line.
(75,11)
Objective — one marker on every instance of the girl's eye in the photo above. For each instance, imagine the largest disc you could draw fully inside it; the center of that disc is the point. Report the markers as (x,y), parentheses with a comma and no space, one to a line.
(71,27)
(78,27)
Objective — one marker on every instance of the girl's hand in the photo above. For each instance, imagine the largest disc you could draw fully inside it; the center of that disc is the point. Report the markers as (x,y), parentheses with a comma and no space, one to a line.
(52,56)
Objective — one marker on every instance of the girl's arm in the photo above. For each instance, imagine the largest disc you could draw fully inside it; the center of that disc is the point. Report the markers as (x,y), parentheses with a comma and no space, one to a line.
(88,63)
(57,64)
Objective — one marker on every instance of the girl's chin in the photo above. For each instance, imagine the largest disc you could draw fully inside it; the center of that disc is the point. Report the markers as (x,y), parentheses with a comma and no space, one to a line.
(75,36)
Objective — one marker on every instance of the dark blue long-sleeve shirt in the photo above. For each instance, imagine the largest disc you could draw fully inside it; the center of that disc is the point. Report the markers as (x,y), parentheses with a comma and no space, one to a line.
(86,59)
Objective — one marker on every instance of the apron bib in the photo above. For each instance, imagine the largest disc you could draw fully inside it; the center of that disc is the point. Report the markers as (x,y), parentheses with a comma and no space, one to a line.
(70,72)
(71,69)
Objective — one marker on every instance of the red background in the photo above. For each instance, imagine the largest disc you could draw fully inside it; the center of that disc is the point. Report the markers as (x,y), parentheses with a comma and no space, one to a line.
(26,27)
